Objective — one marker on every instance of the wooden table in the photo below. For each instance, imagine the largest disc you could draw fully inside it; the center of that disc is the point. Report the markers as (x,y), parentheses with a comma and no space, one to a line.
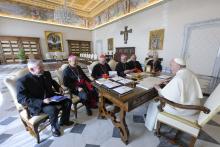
(125,103)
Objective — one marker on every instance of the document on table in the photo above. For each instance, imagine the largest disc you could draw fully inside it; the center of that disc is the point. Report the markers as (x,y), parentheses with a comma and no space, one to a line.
(123,89)
(149,82)
(125,81)
(164,76)
(111,84)
(102,81)
(117,78)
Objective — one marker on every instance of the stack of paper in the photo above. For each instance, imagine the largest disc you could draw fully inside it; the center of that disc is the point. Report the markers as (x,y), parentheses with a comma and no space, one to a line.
(111,84)
(125,81)
(122,89)
(149,83)
(117,78)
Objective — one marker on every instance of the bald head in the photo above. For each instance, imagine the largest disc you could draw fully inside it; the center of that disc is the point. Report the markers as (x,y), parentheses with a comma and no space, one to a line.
(123,58)
(36,67)
(133,57)
(102,59)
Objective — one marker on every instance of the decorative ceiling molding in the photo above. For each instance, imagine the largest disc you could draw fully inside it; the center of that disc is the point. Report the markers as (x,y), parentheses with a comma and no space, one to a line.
(101,18)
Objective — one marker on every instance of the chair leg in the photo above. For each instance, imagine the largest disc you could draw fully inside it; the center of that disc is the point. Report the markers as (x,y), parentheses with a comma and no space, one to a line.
(36,132)
(75,108)
(193,140)
(25,124)
(157,133)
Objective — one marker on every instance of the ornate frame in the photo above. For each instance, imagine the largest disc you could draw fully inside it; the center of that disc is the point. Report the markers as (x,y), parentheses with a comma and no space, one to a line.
(54,41)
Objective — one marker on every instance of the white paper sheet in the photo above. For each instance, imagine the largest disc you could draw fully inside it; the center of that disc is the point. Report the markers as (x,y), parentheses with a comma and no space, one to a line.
(122,89)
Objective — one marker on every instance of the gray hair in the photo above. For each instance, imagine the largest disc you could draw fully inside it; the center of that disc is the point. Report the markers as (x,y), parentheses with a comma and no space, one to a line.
(33,63)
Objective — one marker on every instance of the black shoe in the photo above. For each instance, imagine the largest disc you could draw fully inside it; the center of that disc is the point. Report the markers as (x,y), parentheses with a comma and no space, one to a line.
(55,132)
(69,123)
(89,112)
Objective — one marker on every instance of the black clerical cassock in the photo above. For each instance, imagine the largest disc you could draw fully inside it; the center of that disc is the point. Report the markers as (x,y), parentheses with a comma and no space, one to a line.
(121,67)
(135,65)
(100,70)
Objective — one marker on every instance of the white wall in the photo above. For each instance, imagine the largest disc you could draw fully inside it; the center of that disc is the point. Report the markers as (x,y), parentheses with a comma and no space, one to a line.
(173,16)
(13,27)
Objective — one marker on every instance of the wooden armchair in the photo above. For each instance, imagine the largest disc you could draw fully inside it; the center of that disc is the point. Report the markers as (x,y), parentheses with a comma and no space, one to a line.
(75,99)
(190,125)
(31,123)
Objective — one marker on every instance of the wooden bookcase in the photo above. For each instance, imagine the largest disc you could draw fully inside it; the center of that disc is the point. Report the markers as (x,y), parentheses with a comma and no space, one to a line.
(77,46)
(10,45)
(123,50)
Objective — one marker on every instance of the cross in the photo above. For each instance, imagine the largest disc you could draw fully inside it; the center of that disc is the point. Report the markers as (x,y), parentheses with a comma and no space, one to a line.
(125,33)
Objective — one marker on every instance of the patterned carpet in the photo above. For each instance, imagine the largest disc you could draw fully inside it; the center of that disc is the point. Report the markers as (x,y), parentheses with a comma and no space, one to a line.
(92,132)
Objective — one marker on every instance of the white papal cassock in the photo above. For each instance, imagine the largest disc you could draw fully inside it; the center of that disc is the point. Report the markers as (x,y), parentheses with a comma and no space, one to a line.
(184,88)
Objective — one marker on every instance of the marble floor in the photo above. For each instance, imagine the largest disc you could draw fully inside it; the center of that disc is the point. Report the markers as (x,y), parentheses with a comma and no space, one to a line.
(91,131)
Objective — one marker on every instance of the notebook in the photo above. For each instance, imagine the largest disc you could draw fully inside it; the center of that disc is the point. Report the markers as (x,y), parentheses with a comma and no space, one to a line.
(58,98)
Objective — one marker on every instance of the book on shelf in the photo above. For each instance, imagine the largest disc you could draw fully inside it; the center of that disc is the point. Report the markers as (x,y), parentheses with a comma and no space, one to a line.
(123,89)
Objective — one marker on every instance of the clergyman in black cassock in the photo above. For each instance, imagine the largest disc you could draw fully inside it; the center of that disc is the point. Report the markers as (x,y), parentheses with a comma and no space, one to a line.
(101,70)
(122,67)
(79,84)
(134,64)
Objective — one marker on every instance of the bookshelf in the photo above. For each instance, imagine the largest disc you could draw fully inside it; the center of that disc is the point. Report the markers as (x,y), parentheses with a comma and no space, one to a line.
(10,45)
(78,46)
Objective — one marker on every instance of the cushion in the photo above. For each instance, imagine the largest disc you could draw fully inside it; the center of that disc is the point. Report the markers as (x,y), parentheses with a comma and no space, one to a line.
(213,103)
(112,63)
(33,120)
(184,123)
(10,82)
(91,66)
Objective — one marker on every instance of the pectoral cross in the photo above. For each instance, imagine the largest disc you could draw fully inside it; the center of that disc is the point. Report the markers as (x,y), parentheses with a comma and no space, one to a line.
(125,33)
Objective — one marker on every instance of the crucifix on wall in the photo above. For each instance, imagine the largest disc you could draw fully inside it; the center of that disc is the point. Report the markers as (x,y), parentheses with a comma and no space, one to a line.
(125,33)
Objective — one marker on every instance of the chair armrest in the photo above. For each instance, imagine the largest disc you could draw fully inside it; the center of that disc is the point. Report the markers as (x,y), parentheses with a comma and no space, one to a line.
(163,101)
(25,108)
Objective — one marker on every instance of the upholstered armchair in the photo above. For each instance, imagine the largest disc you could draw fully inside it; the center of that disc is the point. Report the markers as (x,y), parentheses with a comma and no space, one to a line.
(112,63)
(31,123)
(75,99)
(91,66)
(191,125)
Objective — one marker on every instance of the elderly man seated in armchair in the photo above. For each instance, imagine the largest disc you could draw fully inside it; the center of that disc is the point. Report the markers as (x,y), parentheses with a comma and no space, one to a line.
(35,90)
(184,89)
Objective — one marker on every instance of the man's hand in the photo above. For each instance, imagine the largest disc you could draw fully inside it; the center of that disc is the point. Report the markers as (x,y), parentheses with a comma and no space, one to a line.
(80,89)
(61,90)
(47,100)
(127,71)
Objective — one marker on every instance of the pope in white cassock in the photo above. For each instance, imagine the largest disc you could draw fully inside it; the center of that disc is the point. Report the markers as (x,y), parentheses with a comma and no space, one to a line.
(184,88)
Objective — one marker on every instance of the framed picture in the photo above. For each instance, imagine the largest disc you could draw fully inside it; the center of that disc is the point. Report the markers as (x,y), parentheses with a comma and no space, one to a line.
(110,44)
(156,39)
(54,41)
